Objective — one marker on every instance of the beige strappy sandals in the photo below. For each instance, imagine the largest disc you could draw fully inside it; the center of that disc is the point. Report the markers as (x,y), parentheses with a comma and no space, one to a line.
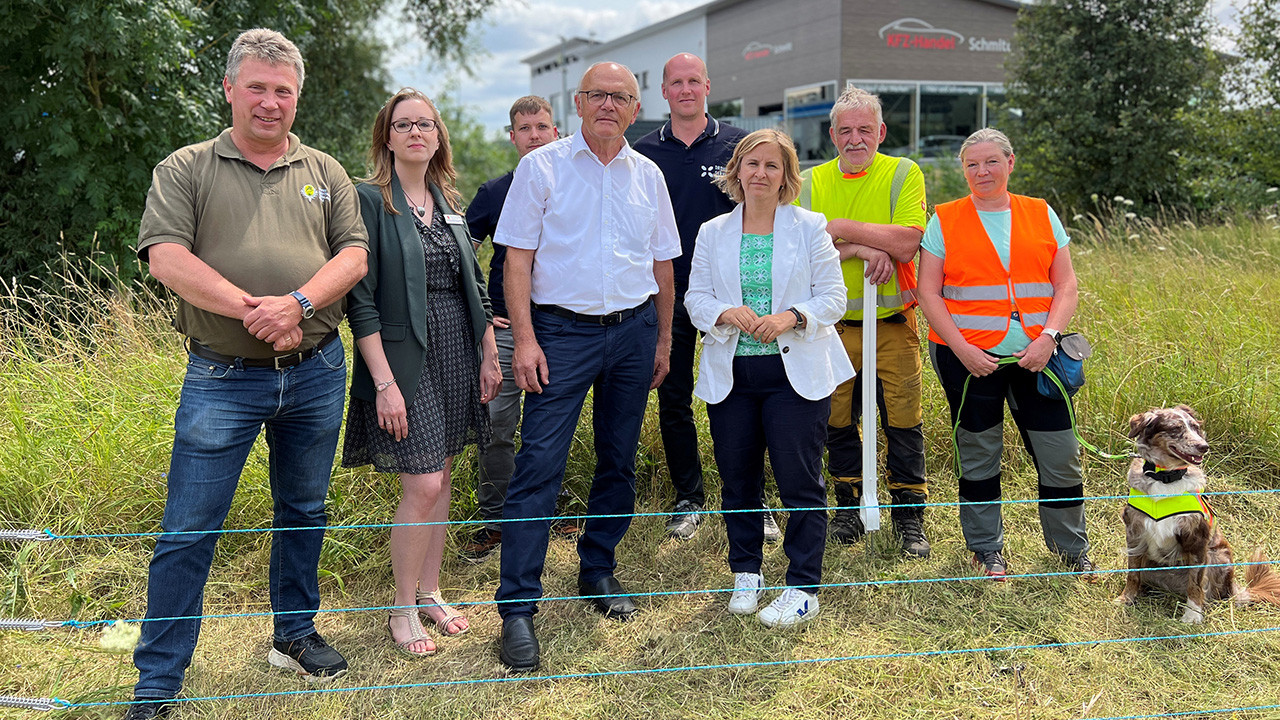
(446,625)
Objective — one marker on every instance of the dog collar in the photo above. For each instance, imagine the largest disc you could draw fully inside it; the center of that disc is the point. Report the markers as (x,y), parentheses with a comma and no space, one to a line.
(1159,507)
(1164,475)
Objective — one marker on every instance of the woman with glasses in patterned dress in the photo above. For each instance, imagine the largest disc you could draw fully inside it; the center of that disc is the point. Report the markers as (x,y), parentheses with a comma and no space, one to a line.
(426,359)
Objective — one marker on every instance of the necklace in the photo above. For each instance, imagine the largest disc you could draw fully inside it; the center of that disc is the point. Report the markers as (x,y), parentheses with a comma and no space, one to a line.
(419,208)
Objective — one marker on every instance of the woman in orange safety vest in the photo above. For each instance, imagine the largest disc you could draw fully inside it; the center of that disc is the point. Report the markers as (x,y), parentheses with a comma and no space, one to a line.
(995,280)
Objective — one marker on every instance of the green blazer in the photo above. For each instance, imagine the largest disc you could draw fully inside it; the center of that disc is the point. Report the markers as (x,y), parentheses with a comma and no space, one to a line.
(391,298)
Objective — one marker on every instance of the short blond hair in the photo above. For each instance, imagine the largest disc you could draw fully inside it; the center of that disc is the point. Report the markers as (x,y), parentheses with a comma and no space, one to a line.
(267,46)
(790,190)
(990,135)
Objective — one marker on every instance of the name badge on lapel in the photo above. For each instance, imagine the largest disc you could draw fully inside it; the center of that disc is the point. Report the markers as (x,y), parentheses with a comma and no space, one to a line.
(451,219)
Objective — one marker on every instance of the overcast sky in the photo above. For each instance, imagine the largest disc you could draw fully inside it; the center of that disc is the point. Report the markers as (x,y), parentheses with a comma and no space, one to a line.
(515,29)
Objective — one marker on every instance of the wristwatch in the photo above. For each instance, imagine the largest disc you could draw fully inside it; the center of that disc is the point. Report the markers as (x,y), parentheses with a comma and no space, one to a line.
(308,309)
(799,317)
(1054,335)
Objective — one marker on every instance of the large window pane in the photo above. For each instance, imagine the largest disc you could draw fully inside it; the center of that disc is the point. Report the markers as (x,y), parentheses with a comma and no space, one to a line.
(807,111)
(948,114)
(897,101)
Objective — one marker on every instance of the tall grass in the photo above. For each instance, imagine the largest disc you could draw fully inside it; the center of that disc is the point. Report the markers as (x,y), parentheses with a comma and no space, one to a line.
(89,382)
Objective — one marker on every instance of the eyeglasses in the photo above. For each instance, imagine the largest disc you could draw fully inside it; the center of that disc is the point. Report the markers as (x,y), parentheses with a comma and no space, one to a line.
(596,97)
(404,126)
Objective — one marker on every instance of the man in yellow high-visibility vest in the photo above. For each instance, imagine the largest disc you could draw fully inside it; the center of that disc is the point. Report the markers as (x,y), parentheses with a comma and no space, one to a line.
(876,208)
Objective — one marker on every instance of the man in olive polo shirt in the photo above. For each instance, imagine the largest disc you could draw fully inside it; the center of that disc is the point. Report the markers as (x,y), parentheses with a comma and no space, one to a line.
(261,238)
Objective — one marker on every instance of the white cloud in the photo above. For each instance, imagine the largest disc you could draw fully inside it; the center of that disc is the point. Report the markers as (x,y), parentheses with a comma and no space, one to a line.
(514,30)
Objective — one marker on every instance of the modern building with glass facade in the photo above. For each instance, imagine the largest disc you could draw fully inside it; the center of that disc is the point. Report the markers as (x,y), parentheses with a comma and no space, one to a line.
(937,65)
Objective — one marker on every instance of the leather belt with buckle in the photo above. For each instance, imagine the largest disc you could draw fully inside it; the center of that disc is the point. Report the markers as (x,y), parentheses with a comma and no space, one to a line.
(279,362)
(607,319)
(894,319)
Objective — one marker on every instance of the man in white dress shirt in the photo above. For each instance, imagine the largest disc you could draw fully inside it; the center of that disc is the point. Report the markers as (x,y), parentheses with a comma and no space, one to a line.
(590,236)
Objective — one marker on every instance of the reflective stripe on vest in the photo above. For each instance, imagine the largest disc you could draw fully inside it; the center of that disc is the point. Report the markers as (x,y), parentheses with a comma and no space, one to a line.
(1161,507)
(896,295)
(981,295)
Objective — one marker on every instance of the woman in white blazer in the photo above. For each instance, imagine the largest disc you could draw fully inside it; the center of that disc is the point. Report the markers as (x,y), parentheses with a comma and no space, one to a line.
(765,289)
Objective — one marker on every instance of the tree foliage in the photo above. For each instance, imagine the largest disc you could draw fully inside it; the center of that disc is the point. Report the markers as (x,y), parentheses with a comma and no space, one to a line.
(476,155)
(1105,88)
(96,93)
(1253,87)
(446,26)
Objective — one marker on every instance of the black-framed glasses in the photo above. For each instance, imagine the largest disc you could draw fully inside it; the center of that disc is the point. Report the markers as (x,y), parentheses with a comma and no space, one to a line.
(404,126)
(596,97)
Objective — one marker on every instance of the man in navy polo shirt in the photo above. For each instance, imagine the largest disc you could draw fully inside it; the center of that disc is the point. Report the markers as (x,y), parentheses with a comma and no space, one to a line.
(531,128)
(691,149)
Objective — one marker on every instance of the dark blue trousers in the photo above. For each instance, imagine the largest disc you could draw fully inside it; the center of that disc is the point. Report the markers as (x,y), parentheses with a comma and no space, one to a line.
(615,364)
(763,411)
(675,412)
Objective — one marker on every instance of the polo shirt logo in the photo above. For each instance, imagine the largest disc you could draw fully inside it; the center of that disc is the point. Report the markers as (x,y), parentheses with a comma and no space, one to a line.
(313,193)
(712,171)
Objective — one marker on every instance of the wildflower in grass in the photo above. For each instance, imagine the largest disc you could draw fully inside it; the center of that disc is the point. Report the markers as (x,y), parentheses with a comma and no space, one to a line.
(1093,197)
(1119,198)
(120,637)
(1130,216)
(1271,189)
(1128,201)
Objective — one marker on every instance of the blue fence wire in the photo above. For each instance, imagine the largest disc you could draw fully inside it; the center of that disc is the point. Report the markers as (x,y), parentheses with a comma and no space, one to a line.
(55,703)
(87,624)
(50,534)
(690,668)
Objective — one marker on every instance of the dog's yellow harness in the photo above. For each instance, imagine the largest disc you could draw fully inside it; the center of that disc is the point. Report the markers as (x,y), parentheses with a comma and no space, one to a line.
(1160,507)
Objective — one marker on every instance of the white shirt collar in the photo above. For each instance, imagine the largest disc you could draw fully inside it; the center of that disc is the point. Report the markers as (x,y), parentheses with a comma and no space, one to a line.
(578,144)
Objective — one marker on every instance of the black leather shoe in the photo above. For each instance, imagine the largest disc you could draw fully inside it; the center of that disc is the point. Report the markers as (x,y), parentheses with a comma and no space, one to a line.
(519,644)
(607,596)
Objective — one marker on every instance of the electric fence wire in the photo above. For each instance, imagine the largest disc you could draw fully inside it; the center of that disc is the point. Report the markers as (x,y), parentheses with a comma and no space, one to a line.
(692,668)
(49,534)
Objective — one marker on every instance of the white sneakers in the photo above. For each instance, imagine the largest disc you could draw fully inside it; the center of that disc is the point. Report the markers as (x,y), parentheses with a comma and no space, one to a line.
(746,593)
(792,607)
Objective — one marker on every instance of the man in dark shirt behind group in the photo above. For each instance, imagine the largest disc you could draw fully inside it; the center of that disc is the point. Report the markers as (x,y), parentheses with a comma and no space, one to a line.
(691,150)
(531,128)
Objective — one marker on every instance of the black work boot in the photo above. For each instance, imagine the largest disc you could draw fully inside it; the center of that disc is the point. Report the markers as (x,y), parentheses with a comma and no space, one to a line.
(845,526)
(908,523)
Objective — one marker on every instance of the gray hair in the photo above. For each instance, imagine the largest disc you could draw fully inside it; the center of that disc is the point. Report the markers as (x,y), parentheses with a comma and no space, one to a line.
(856,99)
(267,46)
(990,135)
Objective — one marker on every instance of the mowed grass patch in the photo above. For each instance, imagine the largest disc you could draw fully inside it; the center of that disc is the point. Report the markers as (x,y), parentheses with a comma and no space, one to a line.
(90,383)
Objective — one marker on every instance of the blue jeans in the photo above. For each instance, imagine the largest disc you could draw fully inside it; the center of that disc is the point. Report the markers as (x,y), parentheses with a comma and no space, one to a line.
(222,410)
(615,363)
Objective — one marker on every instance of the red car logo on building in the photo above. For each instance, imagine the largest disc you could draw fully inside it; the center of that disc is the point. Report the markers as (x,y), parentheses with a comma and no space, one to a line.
(916,34)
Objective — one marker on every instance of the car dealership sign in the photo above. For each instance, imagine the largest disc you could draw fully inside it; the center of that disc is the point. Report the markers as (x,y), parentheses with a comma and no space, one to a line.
(916,34)
(756,50)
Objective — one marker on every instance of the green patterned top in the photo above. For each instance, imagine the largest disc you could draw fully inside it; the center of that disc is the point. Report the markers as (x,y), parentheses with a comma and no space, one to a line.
(755,266)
